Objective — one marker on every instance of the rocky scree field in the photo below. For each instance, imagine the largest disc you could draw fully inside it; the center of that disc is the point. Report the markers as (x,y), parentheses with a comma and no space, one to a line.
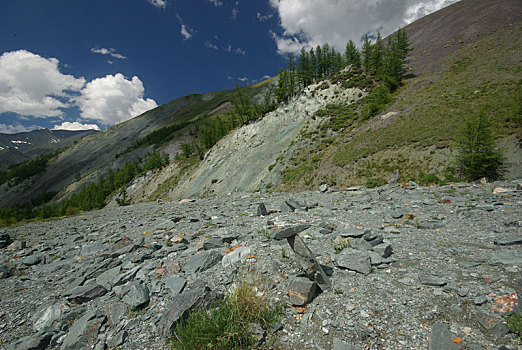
(397,267)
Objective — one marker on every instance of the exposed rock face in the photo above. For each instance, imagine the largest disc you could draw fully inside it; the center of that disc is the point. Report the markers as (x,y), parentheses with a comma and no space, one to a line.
(360,268)
(240,161)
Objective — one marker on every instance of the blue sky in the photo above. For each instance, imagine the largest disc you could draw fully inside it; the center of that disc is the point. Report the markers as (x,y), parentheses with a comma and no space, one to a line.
(95,63)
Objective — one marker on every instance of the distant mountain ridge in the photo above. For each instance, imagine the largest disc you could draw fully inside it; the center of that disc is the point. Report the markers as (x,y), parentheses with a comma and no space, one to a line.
(16,148)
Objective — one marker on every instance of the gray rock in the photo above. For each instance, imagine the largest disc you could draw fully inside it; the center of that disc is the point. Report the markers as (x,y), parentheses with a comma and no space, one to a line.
(213,243)
(45,317)
(361,244)
(338,344)
(394,178)
(236,256)
(384,249)
(355,260)
(463,291)
(5,271)
(84,332)
(115,313)
(308,262)
(431,280)
(479,300)
(92,249)
(467,264)
(198,297)
(290,231)
(203,261)
(345,233)
(509,241)
(257,332)
(175,284)
(373,238)
(507,258)
(323,188)
(261,210)
(392,229)
(287,207)
(5,240)
(37,341)
(301,291)
(106,279)
(441,338)
(81,295)
(375,258)
(137,296)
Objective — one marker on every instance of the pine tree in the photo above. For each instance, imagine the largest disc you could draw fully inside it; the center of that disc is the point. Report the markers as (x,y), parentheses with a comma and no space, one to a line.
(352,55)
(367,51)
(377,56)
(313,64)
(291,75)
(477,155)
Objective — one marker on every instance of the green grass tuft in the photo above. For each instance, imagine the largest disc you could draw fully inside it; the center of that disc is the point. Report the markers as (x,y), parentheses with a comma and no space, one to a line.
(227,325)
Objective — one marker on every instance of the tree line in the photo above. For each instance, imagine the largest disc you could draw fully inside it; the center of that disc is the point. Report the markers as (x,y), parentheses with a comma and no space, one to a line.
(384,60)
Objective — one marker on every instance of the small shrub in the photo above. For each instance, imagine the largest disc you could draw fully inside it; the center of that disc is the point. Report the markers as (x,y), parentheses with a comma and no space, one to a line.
(227,325)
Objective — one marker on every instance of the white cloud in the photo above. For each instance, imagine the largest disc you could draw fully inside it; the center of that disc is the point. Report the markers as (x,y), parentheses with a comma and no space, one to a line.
(113,99)
(112,52)
(237,51)
(14,129)
(216,2)
(76,126)
(185,32)
(32,85)
(262,18)
(210,45)
(243,79)
(161,4)
(235,11)
(308,23)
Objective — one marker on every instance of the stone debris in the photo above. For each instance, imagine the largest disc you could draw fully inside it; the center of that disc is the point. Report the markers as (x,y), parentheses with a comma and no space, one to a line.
(397,267)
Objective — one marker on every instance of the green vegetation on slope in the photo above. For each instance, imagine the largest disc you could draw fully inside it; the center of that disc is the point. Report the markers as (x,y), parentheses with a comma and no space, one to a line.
(22,171)
(92,196)
(433,108)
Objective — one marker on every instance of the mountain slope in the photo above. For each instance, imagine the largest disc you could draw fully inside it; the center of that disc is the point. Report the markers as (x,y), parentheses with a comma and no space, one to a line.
(16,148)
(94,155)
(466,58)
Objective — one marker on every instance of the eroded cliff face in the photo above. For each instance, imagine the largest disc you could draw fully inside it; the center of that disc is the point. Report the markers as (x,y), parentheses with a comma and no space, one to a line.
(241,161)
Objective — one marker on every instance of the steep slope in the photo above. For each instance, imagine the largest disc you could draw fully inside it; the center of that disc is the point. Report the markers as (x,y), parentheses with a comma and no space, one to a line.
(466,58)
(109,149)
(16,148)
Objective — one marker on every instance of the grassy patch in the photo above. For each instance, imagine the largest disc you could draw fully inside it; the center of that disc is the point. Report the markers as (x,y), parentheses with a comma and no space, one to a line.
(227,325)
(514,323)
(477,78)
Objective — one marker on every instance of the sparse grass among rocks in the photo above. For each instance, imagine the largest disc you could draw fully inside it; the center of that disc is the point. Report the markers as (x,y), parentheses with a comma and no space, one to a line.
(227,326)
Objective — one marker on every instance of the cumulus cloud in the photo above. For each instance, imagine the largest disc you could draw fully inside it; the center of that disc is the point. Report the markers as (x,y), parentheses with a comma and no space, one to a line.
(161,4)
(216,2)
(112,52)
(76,126)
(32,85)
(113,99)
(308,23)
